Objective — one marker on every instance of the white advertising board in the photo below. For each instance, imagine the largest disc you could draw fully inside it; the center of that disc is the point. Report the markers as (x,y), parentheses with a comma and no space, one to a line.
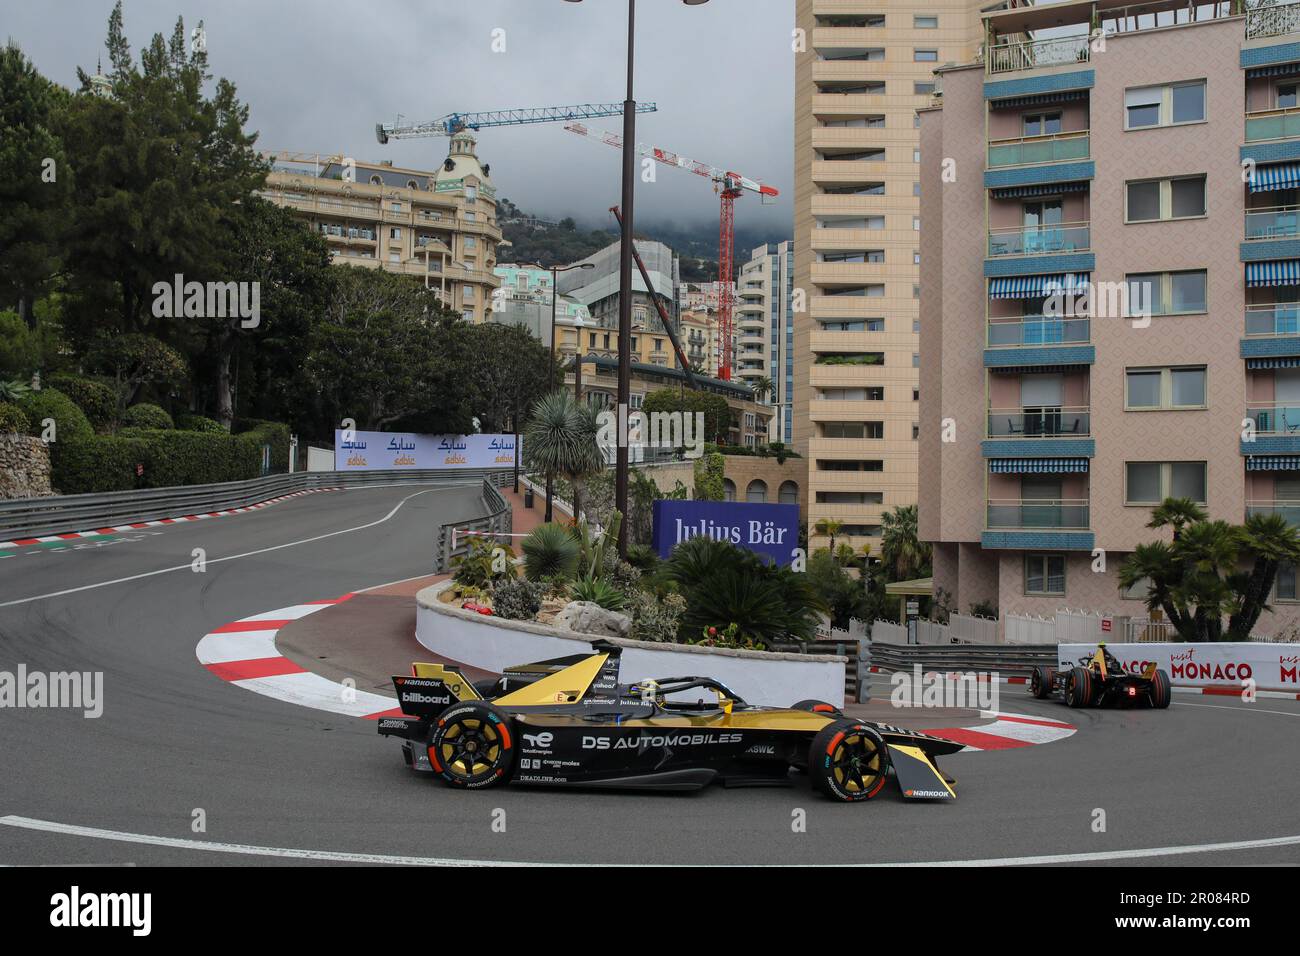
(1272,666)
(389,451)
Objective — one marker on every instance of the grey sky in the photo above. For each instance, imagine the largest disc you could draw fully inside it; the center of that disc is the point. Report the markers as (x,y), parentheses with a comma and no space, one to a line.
(319,76)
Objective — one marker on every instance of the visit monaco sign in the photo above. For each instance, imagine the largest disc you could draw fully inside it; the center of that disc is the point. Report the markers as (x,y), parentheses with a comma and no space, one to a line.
(1270,666)
(768,530)
(386,451)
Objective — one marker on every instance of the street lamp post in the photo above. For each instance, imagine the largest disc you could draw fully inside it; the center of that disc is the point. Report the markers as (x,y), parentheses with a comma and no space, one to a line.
(625,279)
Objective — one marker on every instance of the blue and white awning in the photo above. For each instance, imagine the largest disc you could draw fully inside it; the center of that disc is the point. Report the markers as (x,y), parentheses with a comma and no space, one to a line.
(1276,176)
(1039,99)
(1037,466)
(1273,272)
(1273,69)
(1037,287)
(1273,463)
(1041,189)
(1279,361)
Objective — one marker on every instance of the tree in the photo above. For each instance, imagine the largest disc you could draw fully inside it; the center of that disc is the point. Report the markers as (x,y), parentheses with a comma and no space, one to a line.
(510,373)
(1176,513)
(716,411)
(905,557)
(830,527)
(36,185)
(560,442)
(135,361)
(762,388)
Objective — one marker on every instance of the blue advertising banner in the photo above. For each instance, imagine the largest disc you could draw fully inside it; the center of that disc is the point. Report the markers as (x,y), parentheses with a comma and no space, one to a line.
(380,451)
(769,530)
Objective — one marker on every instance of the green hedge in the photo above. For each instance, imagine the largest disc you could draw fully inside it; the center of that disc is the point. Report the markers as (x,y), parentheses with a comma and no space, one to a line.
(199,423)
(70,422)
(147,415)
(108,462)
(13,420)
(96,398)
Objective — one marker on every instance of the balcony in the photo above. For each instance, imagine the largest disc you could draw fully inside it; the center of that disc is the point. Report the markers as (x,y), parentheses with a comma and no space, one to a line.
(1273,319)
(1273,21)
(1032,330)
(1039,240)
(1041,423)
(1035,150)
(1037,514)
(1012,56)
(1273,124)
(1270,418)
(1275,222)
(1289,510)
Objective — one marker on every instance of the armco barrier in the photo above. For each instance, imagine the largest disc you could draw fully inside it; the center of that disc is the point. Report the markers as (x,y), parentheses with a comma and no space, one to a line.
(496,519)
(1008,661)
(33,517)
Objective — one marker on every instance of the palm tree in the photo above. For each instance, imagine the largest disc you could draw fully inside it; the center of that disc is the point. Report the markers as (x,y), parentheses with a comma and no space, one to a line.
(1274,542)
(1176,513)
(13,391)
(901,551)
(829,526)
(762,388)
(560,441)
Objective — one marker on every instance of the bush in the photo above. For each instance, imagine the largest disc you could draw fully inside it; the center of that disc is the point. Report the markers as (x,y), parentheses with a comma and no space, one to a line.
(483,564)
(624,576)
(13,420)
(199,423)
(709,473)
(70,422)
(657,618)
(599,591)
(261,433)
(97,399)
(147,415)
(20,348)
(642,557)
(517,599)
(550,551)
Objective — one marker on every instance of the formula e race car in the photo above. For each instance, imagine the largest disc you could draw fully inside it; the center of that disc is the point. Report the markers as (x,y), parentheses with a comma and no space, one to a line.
(569,722)
(1100,680)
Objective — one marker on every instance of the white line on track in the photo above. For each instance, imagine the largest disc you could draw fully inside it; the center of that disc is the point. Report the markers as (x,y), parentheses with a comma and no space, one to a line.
(336,856)
(232,557)
(1245,709)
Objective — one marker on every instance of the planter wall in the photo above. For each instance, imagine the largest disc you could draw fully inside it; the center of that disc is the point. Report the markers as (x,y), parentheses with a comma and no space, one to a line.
(492,644)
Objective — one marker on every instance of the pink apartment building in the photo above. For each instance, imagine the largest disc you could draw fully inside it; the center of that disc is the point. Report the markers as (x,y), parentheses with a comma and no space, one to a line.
(1092,149)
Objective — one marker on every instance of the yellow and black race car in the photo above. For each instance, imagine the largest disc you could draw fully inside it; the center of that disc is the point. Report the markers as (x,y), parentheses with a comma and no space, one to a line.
(1099,680)
(569,722)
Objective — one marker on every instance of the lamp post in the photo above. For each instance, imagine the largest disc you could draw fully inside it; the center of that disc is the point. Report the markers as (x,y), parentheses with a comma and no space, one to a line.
(625,278)
(555,295)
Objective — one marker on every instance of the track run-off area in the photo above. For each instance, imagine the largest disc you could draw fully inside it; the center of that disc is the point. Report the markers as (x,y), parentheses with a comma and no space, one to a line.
(185,768)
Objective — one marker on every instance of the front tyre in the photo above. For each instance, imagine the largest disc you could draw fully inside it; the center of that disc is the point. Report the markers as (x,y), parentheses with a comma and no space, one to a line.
(1040,682)
(815,706)
(472,746)
(848,761)
(1161,690)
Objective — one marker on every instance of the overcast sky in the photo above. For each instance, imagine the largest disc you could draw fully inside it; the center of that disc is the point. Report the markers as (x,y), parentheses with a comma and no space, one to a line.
(319,75)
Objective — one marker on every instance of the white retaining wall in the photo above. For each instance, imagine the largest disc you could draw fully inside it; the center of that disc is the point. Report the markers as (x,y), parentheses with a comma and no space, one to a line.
(493,644)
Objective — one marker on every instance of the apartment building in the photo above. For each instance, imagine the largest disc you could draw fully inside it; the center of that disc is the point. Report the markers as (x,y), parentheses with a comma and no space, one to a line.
(703,295)
(437,227)
(598,287)
(525,297)
(764,320)
(866,69)
(1051,424)
(700,339)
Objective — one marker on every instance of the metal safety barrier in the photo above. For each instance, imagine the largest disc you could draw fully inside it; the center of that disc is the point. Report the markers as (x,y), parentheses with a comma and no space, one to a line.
(34,517)
(1007,660)
(498,518)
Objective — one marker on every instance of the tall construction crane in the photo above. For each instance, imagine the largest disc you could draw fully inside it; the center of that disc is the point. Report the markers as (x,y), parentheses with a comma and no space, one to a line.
(730,186)
(453,123)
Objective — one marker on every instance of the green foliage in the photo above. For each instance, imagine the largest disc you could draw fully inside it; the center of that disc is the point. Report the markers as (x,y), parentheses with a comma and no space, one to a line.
(642,557)
(729,636)
(517,599)
(147,415)
(198,423)
(20,346)
(550,551)
(560,440)
(843,596)
(984,609)
(13,420)
(96,398)
(656,618)
(14,391)
(717,413)
(905,556)
(136,360)
(854,358)
(70,422)
(623,575)
(709,473)
(598,591)
(484,563)
(511,372)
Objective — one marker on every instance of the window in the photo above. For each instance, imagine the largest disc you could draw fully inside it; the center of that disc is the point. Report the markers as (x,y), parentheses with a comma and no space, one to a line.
(728,490)
(1284,588)
(395,233)
(467,293)
(853,429)
(1166,293)
(1138,592)
(925,23)
(1155,199)
(850,497)
(1044,574)
(1284,95)
(756,492)
(923,89)
(470,242)
(1151,482)
(1153,388)
(1041,124)
(788,494)
(1149,106)
(834,464)
(925,56)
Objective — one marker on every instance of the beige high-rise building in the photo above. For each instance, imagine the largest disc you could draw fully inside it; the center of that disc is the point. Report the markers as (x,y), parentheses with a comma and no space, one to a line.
(866,68)
(439,227)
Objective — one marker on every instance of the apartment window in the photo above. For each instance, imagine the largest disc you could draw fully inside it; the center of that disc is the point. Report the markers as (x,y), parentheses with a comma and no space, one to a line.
(1151,482)
(855,189)
(1284,587)
(916,155)
(467,293)
(851,20)
(1167,293)
(925,56)
(916,223)
(853,429)
(1156,199)
(834,464)
(1284,96)
(1165,388)
(1170,105)
(925,23)
(395,233)
(1041,124)
(850,497)
(923,89)
(470,242)
(1044,574)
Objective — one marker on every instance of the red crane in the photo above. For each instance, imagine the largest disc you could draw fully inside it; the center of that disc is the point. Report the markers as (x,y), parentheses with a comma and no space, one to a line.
(730,186)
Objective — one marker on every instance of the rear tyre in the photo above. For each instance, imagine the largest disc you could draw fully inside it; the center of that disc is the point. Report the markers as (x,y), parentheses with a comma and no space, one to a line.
(1161,690)
(472,746)
(1040,682)
(1078,687)
(818,707)
(848,761)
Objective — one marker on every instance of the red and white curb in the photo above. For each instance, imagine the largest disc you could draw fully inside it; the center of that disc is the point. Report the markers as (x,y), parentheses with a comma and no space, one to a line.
(244,653)
(1007,732)
(75,535)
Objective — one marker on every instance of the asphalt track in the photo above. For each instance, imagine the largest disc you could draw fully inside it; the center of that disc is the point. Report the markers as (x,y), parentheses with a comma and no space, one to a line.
(282,784)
